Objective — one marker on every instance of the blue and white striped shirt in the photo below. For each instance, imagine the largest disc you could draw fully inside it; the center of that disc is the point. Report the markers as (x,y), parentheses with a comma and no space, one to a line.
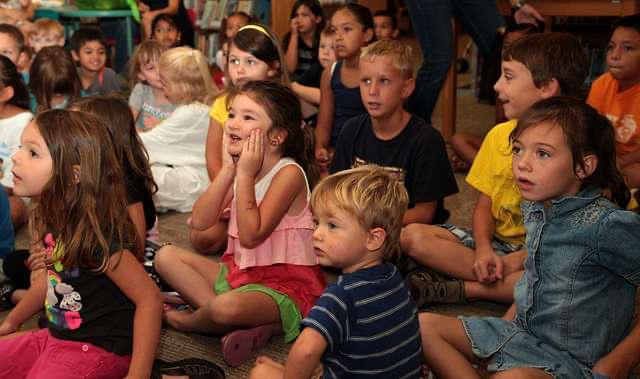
(370,324)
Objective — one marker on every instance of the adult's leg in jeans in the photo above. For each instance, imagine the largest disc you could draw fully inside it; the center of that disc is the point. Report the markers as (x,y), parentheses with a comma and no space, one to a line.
(431,21)
(481,19)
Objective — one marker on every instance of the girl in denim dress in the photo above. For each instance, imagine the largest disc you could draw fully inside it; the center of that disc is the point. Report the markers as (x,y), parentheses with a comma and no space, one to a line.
(574,303)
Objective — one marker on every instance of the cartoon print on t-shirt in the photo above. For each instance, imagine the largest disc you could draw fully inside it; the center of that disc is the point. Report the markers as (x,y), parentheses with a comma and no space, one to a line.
(63,312)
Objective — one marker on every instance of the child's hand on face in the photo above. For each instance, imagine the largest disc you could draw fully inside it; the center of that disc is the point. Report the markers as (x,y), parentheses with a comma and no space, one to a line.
(294,25)
(227,158)
(323,158)
(252,155)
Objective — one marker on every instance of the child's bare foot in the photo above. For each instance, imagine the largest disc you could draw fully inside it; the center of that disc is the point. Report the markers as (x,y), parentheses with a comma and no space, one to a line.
(263,359)
(179,320)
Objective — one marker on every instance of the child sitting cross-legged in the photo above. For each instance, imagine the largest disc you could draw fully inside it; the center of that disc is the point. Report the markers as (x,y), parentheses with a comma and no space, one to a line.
(486,262)
(269,276)
(574,305)
(365,324)
(393,138)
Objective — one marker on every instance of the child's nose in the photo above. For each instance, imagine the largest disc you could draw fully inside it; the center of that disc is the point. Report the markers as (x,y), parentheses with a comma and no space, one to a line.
(373,88)
(523,162)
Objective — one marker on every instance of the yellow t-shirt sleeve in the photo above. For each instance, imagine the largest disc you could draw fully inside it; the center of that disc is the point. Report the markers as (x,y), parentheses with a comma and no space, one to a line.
(219,111)
(491,174)
(493,152)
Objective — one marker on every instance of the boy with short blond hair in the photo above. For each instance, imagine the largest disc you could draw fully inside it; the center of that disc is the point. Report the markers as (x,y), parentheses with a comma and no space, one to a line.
(47,32)
(535,67)
(358,216)
(389,136)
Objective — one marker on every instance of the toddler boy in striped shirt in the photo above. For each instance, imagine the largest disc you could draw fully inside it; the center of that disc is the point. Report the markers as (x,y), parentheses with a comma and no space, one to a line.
(365,324)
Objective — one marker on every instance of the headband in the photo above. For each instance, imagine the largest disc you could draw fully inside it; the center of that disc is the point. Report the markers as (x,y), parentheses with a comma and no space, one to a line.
(255,27)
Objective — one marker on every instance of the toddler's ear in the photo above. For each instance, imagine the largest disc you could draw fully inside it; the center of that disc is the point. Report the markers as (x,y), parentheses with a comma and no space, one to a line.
(375,239)
(75,56)
(590,164)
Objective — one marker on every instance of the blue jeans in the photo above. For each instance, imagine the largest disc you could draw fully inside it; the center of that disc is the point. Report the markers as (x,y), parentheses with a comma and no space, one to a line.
(431,21)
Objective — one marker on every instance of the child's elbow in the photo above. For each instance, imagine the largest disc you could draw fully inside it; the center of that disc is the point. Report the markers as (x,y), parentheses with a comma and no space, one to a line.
(250,242)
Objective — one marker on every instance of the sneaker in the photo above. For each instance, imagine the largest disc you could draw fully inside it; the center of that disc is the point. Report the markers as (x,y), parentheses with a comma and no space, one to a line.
(194,368)
(429,287)
(157,279)
(6,290)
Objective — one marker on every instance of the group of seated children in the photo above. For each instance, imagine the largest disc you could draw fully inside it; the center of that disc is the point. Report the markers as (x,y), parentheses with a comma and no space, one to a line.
(549,230)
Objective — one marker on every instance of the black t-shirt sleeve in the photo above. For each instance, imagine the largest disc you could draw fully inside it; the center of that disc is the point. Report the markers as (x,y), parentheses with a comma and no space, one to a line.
(311,77)
(433,177)
(137,192)
(343,152)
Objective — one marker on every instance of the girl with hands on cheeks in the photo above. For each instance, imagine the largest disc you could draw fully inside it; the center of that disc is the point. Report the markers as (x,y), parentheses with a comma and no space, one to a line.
(268,278)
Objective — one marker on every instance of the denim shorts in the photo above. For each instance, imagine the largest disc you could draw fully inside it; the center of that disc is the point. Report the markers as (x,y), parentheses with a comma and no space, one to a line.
(504,345)
(466,238)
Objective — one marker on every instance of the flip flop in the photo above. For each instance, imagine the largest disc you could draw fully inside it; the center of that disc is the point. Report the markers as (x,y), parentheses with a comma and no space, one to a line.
(239,345)
(194,368)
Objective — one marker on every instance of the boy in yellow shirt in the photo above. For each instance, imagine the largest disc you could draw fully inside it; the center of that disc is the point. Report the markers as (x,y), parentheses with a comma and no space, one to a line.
(486,262)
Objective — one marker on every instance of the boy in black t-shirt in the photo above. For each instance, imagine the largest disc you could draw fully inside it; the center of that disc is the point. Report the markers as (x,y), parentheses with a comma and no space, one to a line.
(390,137)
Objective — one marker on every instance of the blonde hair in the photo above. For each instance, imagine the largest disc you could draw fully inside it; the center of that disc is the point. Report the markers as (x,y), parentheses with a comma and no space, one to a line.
(400,54)
(372,196)
(47,26)
(188,72)
(148,51)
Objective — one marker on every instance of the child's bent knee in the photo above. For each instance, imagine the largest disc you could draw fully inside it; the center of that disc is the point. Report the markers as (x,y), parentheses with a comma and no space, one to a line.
(165,257)
(521,373)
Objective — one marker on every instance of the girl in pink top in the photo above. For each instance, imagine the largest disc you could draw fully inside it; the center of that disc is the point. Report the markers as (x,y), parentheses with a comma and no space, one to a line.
(269,277)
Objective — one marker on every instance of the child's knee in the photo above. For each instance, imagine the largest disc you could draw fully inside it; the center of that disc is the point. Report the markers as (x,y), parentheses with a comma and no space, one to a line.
(414,236)
(428,324)
(165,258)
(521,373)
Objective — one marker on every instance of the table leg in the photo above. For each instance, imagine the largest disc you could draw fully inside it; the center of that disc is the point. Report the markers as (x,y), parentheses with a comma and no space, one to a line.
(129,26)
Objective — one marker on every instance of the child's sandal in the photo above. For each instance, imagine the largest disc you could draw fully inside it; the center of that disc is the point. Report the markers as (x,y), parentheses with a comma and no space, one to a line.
(239,345)
(429,287)
(194,368)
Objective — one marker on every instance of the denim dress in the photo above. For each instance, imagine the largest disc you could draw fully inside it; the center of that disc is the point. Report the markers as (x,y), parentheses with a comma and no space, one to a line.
(575,300)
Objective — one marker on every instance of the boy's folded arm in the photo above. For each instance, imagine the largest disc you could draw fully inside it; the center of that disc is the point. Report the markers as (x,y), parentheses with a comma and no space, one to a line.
(305,354)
